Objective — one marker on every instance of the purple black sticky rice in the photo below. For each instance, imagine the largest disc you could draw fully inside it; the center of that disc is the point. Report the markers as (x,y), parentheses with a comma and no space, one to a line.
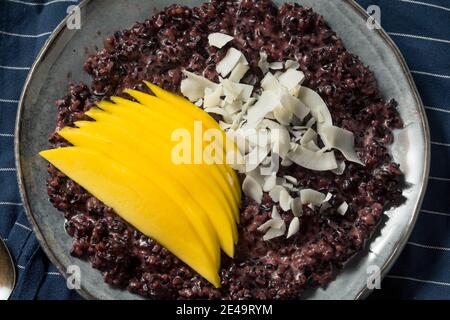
(175,39)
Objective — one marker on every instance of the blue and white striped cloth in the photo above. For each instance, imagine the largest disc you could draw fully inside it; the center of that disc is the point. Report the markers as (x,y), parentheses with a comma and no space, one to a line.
(420,28)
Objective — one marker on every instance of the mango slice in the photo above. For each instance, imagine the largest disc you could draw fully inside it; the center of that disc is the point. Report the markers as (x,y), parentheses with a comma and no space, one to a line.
(134,197)
(124,158)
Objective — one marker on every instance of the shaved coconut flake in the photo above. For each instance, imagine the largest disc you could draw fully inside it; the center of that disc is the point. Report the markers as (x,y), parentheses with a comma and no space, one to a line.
(275,213)
(311,145)
(281,181)
(280,137)
(310,196)
(239,72)
(233,108)
(285,200)
(224,125)
(270,83)
(294,146)
(313,160)
(212,98)
(229,118)
(276,66)
(291,78)
(243,60)
(231,91)
(272,223)
(291,179)
(194,86)
(275,233)
(256,174)
(320,117)
(266,161)
(283,115)
(342,140)
(294,227)
(227,64)
(295,91)
(266,103)
(263,64)
(280,142)
(318,107)
(270,124)
(246,91)
(257,138)
(278,74)
(328,197)
(326,202)
(291,64)
(266,225)
(248,104)
(199,103)
(311,206)
(238,119)
(324,149)
(252,189)
(310,135)
(340,169)
(270,116)
(255,157)
(298,108)
(297,134)
(286,162)
(219,40)
(275,193)
(270,183)
(239,139)
(218,111)
(297,207)
(311,122)
(343,208)
(278,224)
(288,186)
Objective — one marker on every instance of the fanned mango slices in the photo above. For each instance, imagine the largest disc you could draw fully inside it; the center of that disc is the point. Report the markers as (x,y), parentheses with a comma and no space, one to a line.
(124,158)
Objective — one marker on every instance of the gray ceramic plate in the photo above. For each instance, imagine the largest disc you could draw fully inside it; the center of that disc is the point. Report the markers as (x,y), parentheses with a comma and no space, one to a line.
(64,55)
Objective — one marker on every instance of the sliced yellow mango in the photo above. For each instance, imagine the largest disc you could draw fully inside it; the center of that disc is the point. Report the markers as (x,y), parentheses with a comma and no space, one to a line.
(161,127)
(165,126)
(161,173)
(139,202)
(164,129)
(193,177)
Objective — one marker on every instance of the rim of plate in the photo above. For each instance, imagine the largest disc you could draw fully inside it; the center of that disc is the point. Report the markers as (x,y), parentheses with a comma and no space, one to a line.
(365,292)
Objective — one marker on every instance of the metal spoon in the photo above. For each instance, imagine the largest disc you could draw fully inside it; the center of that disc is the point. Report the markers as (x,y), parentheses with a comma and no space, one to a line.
(7,272)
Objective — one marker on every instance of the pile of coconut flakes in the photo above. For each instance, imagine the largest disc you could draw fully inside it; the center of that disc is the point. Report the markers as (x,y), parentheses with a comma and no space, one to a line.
(284,121)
